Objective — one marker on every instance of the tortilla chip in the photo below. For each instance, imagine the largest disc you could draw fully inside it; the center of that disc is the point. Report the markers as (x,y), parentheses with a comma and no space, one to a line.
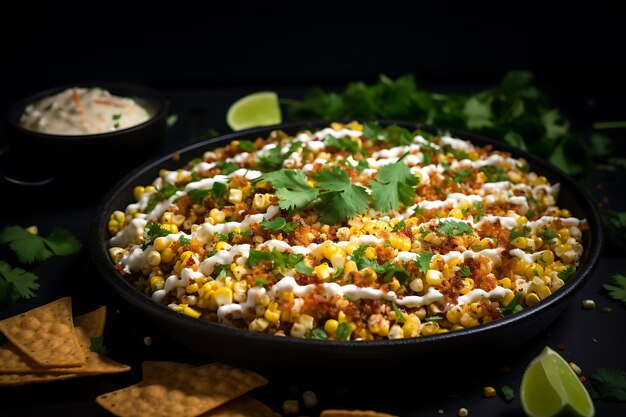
(353,413)
(89,325)
(159,369)
(46,334)
(189,392)
(7,380)
(242,407)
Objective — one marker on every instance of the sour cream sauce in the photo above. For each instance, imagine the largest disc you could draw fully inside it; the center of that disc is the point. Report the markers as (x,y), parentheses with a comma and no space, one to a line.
(82,111)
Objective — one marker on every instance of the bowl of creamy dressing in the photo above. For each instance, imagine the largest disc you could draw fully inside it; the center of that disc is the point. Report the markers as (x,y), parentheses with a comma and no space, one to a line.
(109,127)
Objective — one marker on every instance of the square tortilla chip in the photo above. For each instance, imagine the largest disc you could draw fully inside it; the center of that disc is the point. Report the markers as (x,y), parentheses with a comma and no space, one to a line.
(89,325)
(242,407)
(9,380)
(189,392)
(353,413)
(46,334)
(159,369)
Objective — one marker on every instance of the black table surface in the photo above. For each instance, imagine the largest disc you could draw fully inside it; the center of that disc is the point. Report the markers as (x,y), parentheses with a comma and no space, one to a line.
(590,338)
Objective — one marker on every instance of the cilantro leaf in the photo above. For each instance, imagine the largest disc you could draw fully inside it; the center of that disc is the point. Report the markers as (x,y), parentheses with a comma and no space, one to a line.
(97,345)
(227,167)
(617,287)
(342,144)
(609,383)
(399,316)
(522,231)
(480,209)
(154,230)
(493,173)
(454,228)
(567,273)
(394,186)
(318,334)
(422,261)
(259,282)
(278,259)
(31,248)
(548,235)
(512,307)
(507,393)
(247,146)
(15,283)
(292,188)
(362,165)
(461,175)
(304,269)
(275,158)
(343,331)
(198,195)
(399,226)
(343,200)
(465,271)
(279,224)
(182,240)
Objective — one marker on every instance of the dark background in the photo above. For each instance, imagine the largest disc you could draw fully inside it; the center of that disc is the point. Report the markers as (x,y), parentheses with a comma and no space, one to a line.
(269,43)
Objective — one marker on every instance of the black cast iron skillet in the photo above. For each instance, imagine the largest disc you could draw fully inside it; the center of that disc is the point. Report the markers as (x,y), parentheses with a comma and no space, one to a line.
(268,353)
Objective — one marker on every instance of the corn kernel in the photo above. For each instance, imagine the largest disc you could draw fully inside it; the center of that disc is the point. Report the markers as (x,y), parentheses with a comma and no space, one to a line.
(429,328)
(522,220)
(235,195)
(508,297)
(370,253)
(544,292)
(160,243)
(170,227)
(222,246)
(167,255)
(191,288)
(217,215)
(417,285)
(258,325)
(307,321)
(457,213)
(531,299)
(322,271)
(191,312)
(468,321)
(338,260)
(273,316)
(223,296)
(341,317)
(187,257)
(454,315)
(116,253)
(350,247)
(349,267)
(411,328)
(396,332)
(519,242)
(433,277)
(138,192)
(154,257)
(330,327)
(505,282)
(157,282)
(297,330)
(261,201)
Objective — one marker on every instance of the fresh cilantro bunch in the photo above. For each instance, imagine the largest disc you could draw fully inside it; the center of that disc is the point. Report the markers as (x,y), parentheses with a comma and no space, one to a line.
(16,283)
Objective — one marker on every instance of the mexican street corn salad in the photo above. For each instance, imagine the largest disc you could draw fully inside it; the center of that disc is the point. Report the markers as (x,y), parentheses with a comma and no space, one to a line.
(351,232)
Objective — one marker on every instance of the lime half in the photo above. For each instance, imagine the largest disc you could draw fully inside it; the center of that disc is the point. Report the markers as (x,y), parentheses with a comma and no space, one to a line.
(551,388)
(258,109)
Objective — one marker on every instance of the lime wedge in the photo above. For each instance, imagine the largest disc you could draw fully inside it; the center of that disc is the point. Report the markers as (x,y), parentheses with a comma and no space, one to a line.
(258,109)
(551,388)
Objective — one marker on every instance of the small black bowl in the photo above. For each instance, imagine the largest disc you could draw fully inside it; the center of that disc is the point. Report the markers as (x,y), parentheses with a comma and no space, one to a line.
(36,158)
(286,355)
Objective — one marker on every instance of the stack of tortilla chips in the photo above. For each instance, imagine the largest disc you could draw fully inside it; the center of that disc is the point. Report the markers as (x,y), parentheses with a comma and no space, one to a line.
(46,344)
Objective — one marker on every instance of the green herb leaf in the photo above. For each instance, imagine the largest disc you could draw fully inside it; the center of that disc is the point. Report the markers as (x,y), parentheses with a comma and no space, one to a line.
(461,175)
(610,383)
(394,186)
(548,235)
(31,248)
(97,345)
(292,188)
(422,261)
(15,283)
(465,271)
(512,307)
(342,144)
(434,318)
(304,269)
(227,167)
(454,228)
(278,259)
(279,224)
(342,200)
(616,287)
(247,146)
(362,165)
(154,230)
(318,334)
(260,282)
(182,240)
(507,393)
(399,316)
(567,273)
(399,226)
(522,231)
(343,331)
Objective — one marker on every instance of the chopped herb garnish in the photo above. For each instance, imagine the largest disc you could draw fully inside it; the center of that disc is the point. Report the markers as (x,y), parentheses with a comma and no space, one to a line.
(247,146)
(278,259)
(182,240)
(465,271)
(399,315)
(362,165)
(477,246)
(278,224)
(419,210)
(394,186)
(422,261)
(434,318)
(260,282)
(116,116)
(227,167)
(616,287)
(342,144)
(606,309)
(399,226)
(461,175)
(480,209)
(318,334)
(454,228)
(493,173)
(522,231)
(512,307)
(548,235)
(343,331)
(507,393)
(567,273)
(335,274)
(154,230)
(304,269)
(97,345)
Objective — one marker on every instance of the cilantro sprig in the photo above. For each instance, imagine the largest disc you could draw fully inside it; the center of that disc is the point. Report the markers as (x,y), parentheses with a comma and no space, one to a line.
(610,383)
(454,228)
(30,248)
(394,186)
(15,283)
(617,287)
(278,224)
